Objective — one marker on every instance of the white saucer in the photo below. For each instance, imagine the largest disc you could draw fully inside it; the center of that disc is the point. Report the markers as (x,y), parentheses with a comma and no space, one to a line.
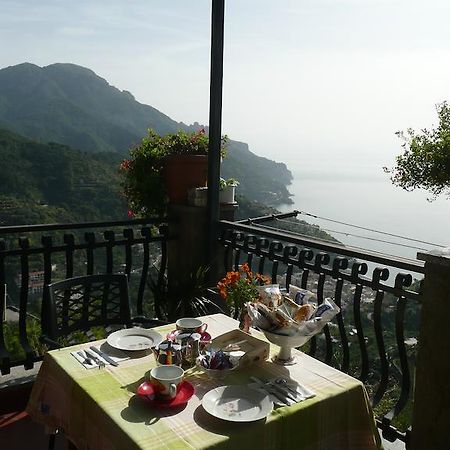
(134,339)
(237,403)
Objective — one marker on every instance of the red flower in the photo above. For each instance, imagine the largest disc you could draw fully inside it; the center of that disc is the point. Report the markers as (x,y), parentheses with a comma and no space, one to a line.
(130,213)
(126,164)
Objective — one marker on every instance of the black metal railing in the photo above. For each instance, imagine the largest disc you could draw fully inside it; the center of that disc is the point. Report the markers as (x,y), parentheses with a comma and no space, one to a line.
(379,297)
(34,255)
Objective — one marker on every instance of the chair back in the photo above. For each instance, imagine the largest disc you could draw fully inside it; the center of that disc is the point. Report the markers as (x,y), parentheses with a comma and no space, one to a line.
(80,303)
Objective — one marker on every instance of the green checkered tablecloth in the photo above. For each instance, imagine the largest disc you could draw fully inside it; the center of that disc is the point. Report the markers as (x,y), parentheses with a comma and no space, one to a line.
(98,409)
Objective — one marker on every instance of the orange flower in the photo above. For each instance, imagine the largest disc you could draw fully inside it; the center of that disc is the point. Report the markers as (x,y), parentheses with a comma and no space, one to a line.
(239,287)
(234,277)
(246,269)
(263,279)
(222,289)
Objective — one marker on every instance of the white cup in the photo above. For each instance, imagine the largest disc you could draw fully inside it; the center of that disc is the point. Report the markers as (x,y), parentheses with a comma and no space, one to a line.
(165,380)
(191,325)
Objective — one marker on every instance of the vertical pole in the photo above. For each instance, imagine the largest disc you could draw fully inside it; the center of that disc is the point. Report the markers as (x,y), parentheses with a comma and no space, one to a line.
(431,414)
(215,128)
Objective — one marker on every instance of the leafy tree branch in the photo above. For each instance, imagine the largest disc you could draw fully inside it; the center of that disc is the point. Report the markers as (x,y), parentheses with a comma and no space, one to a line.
(425,162)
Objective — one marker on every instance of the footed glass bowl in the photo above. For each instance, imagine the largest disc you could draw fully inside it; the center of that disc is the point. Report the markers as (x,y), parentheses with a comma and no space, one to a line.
(286,344)
(216,374)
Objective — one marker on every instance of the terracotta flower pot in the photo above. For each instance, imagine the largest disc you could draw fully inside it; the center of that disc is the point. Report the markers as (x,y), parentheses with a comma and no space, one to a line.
(184,172)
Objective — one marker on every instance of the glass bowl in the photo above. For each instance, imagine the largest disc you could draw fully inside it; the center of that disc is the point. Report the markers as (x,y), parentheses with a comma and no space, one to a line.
(286,344)
(216,374)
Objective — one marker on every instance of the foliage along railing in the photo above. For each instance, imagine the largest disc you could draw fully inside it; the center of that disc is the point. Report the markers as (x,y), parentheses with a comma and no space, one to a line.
(34,255)
(367,338)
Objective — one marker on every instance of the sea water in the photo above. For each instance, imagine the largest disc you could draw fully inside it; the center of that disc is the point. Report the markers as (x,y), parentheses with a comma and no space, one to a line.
(364,196)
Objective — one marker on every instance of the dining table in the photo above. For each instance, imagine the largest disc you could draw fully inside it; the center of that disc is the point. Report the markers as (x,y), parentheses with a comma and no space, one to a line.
(100,409)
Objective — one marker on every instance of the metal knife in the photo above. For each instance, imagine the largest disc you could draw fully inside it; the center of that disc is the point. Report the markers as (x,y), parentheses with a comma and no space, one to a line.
(285,391)
(86,360)
(281,397)
(94,357)
(301,391)
(106,357)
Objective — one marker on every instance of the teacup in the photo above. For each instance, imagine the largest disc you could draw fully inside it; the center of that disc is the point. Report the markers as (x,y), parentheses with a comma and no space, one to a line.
(191,325)
(165,380)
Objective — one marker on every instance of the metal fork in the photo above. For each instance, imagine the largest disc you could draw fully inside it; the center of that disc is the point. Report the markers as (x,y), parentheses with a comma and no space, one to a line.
(93,357)
(283,398)
(299,390)
(86,359)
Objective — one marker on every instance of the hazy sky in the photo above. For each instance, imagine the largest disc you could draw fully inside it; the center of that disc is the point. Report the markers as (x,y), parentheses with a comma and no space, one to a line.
(319,84)
(303,80)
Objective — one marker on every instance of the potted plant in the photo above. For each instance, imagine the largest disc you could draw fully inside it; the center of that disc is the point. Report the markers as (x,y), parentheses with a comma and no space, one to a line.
(161,169)
(227,190)
(239,287)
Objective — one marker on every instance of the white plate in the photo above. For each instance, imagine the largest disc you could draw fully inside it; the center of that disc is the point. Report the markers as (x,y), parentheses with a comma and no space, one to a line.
(134,339)
(237,403)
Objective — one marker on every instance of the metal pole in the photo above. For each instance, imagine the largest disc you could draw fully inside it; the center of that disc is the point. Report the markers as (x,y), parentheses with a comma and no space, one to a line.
(215,128)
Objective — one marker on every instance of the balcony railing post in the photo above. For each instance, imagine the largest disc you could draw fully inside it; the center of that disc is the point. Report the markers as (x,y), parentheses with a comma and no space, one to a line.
(431,414)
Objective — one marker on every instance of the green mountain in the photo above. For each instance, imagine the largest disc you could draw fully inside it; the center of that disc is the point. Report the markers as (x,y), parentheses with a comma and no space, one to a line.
(260,179)
(45,183)
(53,183)
(72,105)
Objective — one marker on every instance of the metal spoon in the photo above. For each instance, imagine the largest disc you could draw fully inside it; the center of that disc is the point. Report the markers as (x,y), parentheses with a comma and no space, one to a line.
(86,359)
(98,362)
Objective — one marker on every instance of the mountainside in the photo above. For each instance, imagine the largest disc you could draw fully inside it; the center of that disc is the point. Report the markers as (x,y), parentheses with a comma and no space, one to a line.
(72,105)
(53,183)
(260,179)
(44,183)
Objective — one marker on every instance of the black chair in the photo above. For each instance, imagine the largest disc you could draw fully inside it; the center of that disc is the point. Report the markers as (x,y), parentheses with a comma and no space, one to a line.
(81,303)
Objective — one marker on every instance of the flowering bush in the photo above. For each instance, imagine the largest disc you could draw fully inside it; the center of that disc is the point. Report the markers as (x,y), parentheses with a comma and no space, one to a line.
(142,172)
(239,287)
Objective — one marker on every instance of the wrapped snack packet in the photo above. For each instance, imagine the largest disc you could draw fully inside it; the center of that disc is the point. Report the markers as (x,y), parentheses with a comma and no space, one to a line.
(327,310)
(304,312)
(258,319)
(301,296)
(270,295)
(292,319)
(297,313)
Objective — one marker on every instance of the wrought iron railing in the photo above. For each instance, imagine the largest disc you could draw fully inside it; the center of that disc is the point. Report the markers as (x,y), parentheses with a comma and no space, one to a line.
(379,297)
(34,255)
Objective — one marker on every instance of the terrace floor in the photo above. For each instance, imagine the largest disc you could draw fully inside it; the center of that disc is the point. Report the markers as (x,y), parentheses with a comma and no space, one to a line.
(19,432)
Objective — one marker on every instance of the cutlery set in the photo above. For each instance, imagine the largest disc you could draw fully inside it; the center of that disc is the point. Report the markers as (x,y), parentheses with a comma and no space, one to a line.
(104,355)
(91,357)
(282,391)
